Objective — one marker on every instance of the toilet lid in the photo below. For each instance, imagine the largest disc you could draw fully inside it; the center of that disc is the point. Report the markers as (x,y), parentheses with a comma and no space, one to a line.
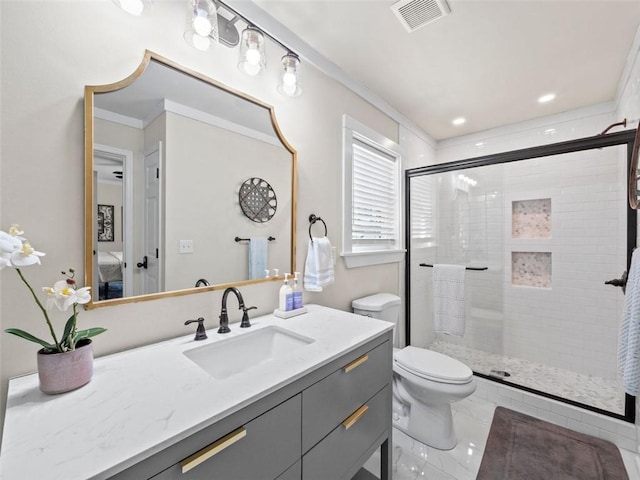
(433,365)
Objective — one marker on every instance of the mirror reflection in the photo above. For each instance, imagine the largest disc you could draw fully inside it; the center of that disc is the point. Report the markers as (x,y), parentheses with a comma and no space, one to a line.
(168,151)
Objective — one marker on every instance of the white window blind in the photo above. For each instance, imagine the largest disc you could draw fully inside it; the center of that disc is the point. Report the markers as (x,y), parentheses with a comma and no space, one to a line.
(422,209)
(375,195)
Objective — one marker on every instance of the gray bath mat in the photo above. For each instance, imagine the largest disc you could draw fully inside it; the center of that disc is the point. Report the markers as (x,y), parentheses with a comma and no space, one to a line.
(521,447)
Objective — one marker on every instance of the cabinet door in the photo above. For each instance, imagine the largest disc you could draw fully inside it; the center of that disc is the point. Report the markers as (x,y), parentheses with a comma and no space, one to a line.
(331,400)
(339,455)
(261,449)
(294,472)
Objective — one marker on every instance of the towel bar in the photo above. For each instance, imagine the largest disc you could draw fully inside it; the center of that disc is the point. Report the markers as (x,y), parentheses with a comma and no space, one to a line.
(477,269)
(238,239)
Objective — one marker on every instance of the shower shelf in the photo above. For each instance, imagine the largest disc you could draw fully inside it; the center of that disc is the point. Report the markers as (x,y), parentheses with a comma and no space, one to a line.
(477,269)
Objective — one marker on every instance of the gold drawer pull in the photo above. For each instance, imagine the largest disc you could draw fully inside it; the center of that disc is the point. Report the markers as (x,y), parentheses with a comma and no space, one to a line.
(355,364)
(354,417)
(216,447)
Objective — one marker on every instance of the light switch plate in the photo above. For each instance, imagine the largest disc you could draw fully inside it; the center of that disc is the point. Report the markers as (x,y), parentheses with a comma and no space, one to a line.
(186,246)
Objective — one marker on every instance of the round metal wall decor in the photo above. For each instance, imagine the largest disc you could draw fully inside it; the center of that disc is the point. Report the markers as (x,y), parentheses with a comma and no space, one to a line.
(258,200)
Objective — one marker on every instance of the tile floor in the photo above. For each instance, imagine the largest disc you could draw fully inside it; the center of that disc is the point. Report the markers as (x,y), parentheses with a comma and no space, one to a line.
(472,417)
(598,392)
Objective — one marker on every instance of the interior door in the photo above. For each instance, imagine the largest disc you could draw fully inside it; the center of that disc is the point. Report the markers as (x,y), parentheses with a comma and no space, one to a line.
(151,263)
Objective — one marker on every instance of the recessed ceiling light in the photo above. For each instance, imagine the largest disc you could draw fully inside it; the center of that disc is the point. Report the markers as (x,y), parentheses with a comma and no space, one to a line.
(459,121)
(546,98)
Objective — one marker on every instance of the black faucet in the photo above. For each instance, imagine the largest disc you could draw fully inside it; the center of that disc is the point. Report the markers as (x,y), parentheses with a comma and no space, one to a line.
(201,334)
(224,319)
(202,283)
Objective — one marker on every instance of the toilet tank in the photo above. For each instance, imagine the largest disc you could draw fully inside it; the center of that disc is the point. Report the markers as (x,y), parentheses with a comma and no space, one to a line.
(384,306)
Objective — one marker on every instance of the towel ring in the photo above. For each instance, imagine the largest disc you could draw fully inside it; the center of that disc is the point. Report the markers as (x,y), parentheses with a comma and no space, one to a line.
(313,219)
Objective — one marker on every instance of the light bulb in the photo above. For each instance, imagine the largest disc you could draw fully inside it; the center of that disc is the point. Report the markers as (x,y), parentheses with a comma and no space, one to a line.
(251,68)
(289,89)
(201,24)
(134,7)
(289,78)
(253,56)
(201,43)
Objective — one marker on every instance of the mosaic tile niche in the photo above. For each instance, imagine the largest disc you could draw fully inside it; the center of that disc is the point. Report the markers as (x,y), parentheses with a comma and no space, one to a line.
(531,269)
(531,218)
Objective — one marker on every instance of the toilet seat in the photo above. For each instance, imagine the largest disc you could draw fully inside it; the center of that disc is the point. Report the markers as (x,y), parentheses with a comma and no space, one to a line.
(433,366)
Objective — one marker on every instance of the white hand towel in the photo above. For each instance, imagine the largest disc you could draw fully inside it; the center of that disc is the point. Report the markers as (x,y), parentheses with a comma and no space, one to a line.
(629,341)
(318,268)
(258,257)
(448,299)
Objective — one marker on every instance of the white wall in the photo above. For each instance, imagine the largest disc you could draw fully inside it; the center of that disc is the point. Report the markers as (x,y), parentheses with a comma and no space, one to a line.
(46,62)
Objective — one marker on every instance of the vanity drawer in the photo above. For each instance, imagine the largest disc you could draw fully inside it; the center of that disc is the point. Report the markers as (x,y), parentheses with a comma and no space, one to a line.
(332,399)
(334,456)
(294,472)
(261,449)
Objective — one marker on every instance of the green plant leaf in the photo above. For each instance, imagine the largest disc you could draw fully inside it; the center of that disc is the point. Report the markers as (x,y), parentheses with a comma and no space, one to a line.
(31,338)
(88,333)
(68,328)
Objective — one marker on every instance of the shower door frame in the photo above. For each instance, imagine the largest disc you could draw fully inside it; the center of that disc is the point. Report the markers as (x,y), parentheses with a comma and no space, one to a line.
(626,137)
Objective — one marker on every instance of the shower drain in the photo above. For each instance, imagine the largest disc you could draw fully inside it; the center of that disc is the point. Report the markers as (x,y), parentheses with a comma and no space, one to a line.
(500,373)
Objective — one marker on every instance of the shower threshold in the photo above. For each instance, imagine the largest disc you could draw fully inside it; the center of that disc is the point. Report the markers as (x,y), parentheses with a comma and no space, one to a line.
(596,392)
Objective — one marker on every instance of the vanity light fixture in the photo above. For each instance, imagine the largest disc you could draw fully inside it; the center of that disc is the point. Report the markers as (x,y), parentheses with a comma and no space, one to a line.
(202,24)
(290,83)
(133,7)
(252,58)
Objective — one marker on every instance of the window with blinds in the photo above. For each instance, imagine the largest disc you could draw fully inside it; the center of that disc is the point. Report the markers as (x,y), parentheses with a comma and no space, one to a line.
(375,195)
(372,197)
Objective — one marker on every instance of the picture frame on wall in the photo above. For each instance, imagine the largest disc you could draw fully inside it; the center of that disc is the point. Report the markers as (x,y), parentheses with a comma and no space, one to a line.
(105,223)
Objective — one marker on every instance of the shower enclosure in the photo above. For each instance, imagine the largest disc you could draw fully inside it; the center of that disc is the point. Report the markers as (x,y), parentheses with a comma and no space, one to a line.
(540,231)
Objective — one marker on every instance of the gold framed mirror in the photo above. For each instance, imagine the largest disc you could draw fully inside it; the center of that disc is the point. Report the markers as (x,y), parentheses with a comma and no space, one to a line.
(166,152)
(634,202)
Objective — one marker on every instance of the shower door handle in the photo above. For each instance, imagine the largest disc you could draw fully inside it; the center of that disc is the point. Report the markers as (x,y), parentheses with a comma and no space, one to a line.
(619,282)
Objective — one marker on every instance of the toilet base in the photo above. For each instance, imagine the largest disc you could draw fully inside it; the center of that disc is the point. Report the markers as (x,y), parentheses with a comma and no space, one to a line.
(431,425)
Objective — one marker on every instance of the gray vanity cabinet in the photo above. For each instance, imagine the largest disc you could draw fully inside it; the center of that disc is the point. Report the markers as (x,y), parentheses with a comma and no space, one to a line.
(262,448)
(323,426)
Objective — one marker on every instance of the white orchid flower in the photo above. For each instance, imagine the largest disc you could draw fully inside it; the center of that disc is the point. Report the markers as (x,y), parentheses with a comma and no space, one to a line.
(63,295)
(15,230)
(4,262)
(26,256)
(51,297)
(9,243)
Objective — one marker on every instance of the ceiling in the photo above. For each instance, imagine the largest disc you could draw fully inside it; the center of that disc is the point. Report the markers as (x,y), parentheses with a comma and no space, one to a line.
(487,61)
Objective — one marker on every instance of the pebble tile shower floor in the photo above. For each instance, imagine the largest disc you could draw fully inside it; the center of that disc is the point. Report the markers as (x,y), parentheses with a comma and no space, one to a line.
(595,391)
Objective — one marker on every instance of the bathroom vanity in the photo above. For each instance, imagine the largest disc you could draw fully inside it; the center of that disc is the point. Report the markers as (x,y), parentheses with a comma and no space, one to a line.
(314,402)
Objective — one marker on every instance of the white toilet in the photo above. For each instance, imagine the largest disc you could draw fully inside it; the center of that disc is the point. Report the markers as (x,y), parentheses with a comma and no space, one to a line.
(425,382)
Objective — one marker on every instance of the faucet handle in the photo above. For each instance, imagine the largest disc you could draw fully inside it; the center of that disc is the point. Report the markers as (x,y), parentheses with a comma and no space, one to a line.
(201,334)
(245,317)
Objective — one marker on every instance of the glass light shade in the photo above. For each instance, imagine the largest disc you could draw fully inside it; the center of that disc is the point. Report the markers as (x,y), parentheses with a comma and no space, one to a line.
(201,30)
(133,7)
(290,83)
(252,59)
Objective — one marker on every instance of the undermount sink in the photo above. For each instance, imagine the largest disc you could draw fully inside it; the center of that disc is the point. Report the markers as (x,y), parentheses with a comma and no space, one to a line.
(234,355)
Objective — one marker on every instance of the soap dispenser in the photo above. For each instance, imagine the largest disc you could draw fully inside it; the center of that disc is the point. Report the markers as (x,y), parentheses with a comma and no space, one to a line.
(286,295)
(297,292)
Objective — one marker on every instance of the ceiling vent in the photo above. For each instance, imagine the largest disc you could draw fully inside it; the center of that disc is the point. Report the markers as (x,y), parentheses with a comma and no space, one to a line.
(415,14)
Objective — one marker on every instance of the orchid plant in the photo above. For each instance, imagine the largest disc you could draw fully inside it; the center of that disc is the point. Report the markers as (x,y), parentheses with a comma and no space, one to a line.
(16,252)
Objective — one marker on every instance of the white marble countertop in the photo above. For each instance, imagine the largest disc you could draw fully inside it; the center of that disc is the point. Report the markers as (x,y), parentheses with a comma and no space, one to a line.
(144,400)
